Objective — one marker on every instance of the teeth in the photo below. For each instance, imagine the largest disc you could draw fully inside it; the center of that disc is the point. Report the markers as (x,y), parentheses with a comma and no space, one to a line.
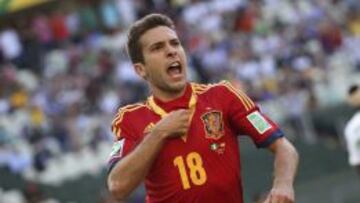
(174,69)
(175,64)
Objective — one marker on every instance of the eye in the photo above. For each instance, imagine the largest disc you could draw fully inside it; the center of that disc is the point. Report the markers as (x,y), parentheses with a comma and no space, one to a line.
(175,42)
(156,47)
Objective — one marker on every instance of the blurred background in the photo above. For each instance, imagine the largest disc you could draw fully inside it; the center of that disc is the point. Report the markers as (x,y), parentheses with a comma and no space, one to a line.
(64,72)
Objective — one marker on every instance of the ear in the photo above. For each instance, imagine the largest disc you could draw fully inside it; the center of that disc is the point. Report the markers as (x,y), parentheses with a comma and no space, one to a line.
(140,70)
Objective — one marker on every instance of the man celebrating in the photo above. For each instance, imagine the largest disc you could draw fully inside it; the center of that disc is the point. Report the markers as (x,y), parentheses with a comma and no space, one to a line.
(183,140)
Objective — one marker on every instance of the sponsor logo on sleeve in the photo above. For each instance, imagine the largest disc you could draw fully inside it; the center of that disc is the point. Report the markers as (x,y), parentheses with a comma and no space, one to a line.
(258,122)
(117,148)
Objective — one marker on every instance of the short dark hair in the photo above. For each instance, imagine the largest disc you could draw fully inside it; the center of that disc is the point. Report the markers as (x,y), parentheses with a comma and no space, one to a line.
(353,89)
(144,24)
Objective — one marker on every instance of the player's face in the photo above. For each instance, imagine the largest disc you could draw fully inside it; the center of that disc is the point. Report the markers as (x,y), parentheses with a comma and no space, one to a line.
(164,60)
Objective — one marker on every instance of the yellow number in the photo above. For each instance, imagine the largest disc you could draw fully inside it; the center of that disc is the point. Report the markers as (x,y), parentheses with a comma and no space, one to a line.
(195,165)
(197,171)
(179,162)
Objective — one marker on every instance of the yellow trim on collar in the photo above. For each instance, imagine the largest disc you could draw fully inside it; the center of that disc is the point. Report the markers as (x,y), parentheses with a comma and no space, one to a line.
(161,112)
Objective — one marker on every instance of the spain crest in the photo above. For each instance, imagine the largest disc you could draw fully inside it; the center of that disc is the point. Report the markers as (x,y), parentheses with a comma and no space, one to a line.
(213,124)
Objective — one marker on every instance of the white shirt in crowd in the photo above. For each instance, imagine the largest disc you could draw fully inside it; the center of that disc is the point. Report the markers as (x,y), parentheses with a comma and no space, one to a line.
(10,44)
(352,136)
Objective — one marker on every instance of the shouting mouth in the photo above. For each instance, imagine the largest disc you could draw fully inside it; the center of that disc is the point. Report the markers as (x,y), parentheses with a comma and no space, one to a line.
(174,70)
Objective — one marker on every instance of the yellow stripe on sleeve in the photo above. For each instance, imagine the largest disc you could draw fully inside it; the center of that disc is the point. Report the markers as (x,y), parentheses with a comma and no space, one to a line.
(120,115)
(246,101)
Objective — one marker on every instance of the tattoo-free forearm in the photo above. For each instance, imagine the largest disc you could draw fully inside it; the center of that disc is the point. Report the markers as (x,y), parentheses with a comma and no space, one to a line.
(285,163)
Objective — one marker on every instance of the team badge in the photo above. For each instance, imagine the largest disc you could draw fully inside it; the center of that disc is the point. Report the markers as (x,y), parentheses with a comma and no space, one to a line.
(213,124)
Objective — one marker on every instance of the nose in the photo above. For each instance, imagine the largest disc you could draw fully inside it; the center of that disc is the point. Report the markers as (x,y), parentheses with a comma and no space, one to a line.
(170,51)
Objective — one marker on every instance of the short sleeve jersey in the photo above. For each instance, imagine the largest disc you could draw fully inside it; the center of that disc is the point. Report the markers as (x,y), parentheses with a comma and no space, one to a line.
(204,165)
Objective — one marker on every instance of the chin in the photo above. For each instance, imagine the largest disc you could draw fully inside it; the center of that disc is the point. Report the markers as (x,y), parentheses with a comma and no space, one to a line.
(177,86)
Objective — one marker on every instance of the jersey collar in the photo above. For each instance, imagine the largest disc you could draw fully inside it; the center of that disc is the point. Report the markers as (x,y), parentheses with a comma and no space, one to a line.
(187,100)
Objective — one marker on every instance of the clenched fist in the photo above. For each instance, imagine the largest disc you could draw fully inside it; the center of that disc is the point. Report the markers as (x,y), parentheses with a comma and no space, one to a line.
(174,124)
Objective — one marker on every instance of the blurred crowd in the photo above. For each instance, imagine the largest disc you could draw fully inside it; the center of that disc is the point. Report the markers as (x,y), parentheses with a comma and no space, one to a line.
(65,71)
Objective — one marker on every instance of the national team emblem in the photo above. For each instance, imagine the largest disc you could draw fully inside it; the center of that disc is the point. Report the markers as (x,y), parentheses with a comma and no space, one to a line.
(213,124)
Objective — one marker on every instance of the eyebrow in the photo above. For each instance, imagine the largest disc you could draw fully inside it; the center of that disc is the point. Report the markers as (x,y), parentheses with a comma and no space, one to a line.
(163,41)
(156,44)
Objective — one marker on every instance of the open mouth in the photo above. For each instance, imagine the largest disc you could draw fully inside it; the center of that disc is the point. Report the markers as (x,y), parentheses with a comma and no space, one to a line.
(175,69)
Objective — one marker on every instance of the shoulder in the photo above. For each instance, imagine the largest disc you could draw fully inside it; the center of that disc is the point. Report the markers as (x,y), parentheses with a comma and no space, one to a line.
(125,111)
(225,91)
(211,87)
(126,115)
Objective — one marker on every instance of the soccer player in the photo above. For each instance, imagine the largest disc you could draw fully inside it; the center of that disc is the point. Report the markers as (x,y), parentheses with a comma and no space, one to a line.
(183,140)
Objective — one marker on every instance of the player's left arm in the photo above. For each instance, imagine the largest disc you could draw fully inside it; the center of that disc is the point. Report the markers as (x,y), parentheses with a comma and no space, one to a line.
(247,119)
(285,166)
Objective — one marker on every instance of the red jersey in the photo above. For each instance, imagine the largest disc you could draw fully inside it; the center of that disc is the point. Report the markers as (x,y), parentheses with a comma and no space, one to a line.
(203,166)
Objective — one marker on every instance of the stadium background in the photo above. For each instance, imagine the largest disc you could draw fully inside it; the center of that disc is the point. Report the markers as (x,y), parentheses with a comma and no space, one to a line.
(64,72)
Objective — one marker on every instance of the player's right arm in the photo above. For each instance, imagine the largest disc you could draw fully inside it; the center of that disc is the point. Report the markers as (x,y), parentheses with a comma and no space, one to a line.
(131,167)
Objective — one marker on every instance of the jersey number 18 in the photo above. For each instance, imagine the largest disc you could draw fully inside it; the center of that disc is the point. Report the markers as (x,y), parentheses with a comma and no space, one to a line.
(195,165)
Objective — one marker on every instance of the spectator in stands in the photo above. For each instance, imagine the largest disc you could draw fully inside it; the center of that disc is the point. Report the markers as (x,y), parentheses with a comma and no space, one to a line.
(352,129)
(10,45)
(32,193)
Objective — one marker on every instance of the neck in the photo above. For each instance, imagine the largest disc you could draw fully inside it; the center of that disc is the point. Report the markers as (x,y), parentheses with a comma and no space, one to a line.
(166,96)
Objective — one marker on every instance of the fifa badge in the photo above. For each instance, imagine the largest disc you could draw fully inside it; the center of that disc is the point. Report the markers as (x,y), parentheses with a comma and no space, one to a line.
(218,148)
